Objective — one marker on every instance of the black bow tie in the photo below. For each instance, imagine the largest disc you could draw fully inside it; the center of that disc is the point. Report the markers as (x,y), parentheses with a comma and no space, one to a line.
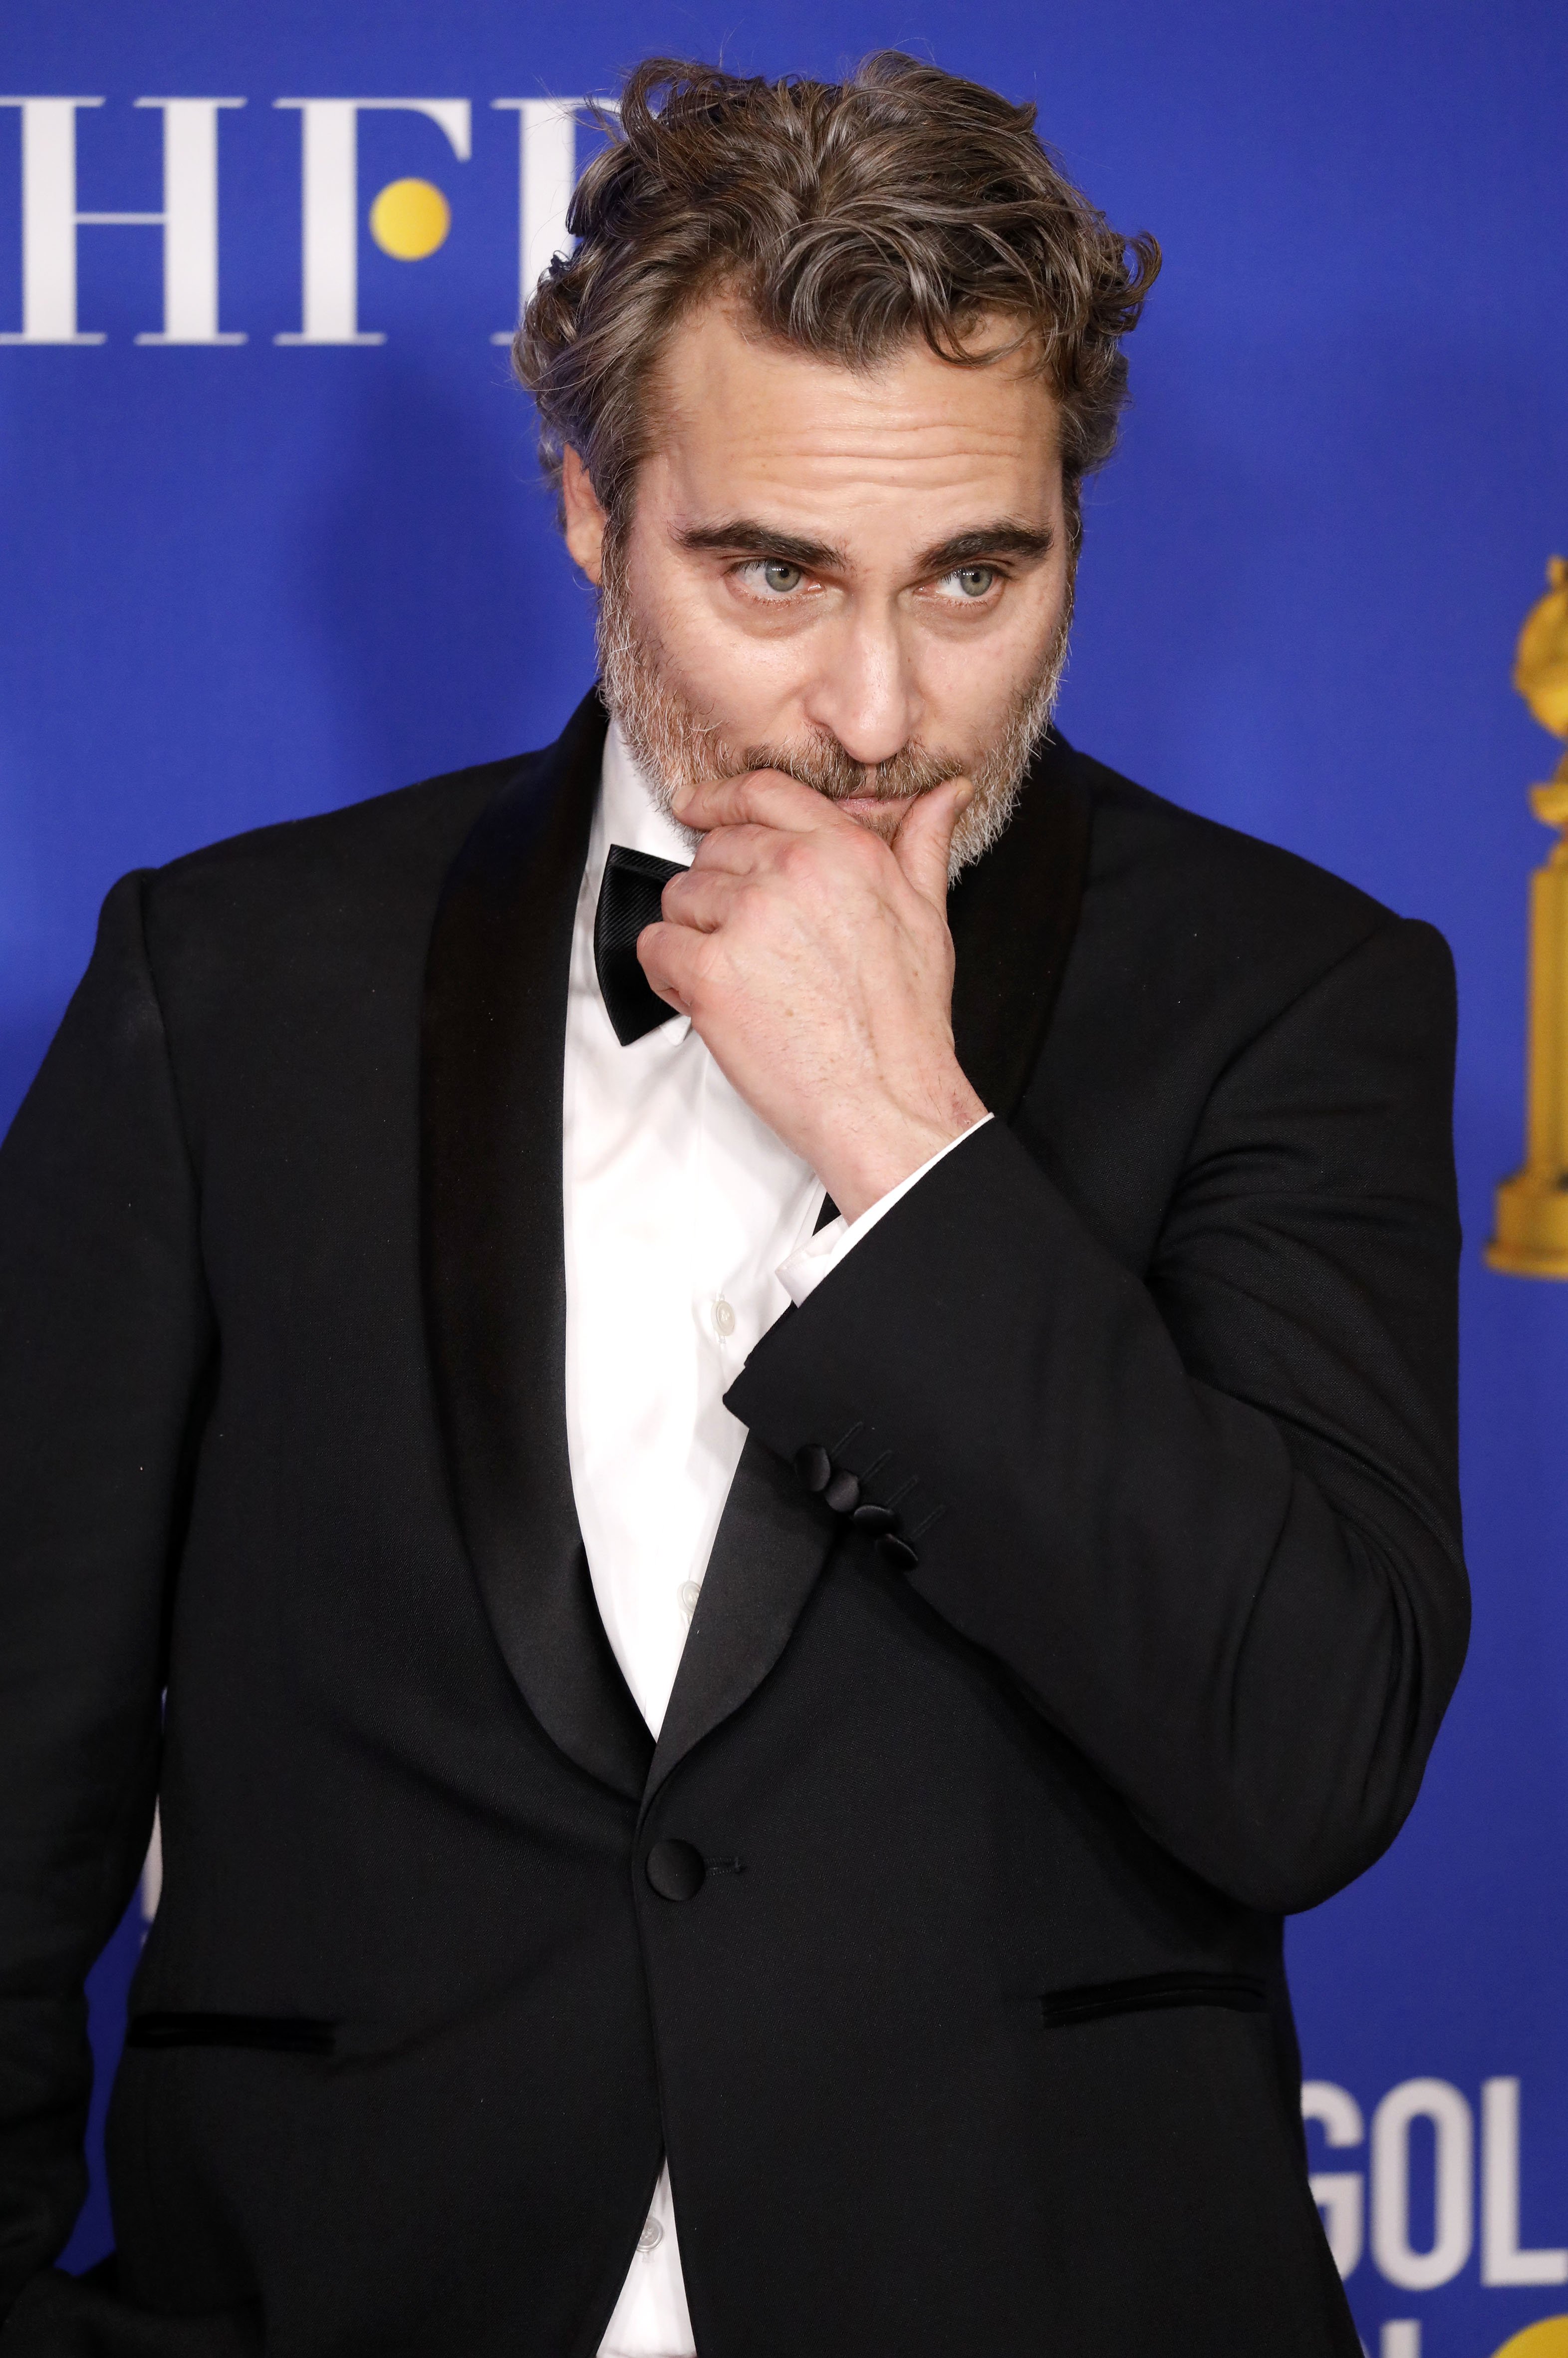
(629,900)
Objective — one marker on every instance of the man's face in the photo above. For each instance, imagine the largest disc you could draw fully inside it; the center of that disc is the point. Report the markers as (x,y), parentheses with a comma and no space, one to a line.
(860,578)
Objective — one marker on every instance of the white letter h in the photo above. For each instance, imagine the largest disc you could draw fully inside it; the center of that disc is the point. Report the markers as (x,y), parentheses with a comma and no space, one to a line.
(188,221)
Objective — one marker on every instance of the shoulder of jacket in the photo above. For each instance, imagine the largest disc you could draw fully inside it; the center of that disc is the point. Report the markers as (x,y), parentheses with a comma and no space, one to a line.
(1168,874)
(411,826)
(311,905)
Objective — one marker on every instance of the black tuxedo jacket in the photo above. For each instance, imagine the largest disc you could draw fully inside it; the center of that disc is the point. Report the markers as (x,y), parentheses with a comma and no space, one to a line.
(961,2014)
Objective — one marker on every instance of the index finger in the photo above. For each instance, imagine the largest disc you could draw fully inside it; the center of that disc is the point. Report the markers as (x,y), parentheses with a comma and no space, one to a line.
(757,798)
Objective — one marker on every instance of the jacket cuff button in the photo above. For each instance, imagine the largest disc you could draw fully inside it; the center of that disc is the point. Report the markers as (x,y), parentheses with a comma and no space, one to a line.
(814,1468)
(875,1521)
(897,1554)
(843,1493)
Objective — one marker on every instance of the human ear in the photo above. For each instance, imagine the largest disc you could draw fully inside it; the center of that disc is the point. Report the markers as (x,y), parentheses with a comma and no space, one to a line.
(585,519)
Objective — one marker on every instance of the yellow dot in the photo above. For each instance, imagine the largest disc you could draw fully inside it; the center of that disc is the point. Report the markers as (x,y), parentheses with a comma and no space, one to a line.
(410,219)
(1549,2339)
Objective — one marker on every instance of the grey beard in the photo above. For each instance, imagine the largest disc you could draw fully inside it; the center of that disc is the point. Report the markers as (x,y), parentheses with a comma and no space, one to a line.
(673,747)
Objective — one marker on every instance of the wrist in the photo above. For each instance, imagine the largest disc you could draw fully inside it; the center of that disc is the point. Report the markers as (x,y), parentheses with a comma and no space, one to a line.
(876,1149)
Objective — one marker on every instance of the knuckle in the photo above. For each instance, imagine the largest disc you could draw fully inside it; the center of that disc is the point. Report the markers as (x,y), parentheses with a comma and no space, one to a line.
(698,984)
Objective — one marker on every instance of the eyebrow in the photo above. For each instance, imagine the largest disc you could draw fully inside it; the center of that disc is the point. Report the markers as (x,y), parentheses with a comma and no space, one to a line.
(1027,542)
(743,536)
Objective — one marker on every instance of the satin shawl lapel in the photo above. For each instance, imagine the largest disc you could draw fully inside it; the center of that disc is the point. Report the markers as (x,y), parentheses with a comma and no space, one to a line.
(495,1004)
(1013,916)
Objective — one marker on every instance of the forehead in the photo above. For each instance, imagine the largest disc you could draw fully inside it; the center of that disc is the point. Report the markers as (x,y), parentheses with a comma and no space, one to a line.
(746,425)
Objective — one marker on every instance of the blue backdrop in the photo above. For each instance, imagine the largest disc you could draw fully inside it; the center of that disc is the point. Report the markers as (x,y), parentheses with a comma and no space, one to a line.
(260,576)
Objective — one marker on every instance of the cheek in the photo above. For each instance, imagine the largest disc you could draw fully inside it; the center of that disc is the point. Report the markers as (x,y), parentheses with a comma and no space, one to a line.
(740,680)
(967,683)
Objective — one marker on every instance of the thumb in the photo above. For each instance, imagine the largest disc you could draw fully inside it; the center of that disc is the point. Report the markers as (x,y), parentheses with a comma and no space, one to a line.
(921,844)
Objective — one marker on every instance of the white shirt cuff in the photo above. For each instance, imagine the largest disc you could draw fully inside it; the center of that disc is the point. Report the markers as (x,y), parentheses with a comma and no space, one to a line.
(821,1254)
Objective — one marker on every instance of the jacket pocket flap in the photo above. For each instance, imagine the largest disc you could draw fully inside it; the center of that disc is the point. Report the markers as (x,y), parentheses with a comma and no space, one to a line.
(1244,1993)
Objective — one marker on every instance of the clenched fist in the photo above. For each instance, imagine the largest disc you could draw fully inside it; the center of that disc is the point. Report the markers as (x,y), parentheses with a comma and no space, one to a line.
(814,961)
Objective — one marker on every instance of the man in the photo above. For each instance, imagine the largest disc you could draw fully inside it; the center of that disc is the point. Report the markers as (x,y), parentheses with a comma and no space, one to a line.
(778,1511)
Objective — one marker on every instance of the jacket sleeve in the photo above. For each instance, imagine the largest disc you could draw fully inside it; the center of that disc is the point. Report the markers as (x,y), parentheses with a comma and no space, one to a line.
(1207,1516)
(104,1333)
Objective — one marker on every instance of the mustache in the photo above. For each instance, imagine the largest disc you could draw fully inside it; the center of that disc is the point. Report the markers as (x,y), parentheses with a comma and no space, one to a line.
(823,764)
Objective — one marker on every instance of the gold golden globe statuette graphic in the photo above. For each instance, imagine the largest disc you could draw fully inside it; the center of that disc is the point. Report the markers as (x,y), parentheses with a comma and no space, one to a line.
(1531,1237)
(1547,2338)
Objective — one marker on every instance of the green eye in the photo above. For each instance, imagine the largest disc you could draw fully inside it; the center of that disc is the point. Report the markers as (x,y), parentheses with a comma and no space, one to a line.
(780,576)
(974,581)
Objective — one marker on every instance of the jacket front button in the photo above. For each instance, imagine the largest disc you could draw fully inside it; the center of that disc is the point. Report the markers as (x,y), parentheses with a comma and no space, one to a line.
(675,1870)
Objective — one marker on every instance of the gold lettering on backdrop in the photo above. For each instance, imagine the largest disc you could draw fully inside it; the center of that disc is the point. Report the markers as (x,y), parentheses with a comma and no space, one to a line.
(1531,1239)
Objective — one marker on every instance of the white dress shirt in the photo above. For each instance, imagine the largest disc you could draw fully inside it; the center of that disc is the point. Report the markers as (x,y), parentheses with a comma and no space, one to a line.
(688,1230)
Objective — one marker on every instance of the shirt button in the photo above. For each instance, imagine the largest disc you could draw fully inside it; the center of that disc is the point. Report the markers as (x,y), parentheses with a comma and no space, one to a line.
(688,1592)
(723,1317)
(651,2236)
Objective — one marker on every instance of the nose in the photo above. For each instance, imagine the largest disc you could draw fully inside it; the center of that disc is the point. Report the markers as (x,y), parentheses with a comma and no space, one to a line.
(865,693)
